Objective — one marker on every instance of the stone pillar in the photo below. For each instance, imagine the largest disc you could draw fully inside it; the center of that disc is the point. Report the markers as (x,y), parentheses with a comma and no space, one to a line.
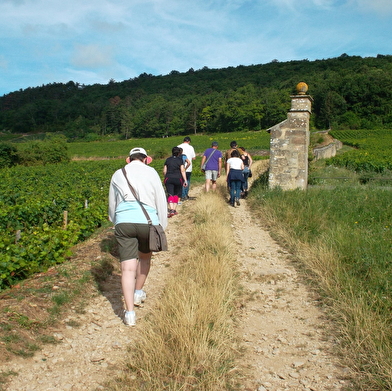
(289,145)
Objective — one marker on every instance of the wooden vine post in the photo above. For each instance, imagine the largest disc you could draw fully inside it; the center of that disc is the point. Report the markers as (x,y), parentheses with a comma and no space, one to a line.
(65,219)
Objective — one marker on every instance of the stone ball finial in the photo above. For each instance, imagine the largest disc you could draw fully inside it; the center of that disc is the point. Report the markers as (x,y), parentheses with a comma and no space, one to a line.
(302,88)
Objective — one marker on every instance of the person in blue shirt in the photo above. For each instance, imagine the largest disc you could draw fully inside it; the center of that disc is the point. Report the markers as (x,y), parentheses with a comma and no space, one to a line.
(131,227)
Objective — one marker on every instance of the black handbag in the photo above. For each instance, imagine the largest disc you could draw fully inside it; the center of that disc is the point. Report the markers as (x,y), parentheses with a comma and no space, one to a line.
(250,174)
(157,236)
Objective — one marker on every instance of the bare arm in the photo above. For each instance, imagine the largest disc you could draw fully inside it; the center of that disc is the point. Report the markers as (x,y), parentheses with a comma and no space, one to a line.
(183,174)
(250,160)
(203,159)
(187,163)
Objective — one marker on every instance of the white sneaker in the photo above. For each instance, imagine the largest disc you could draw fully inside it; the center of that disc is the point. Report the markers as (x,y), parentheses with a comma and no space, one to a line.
(130,318)
(139,297)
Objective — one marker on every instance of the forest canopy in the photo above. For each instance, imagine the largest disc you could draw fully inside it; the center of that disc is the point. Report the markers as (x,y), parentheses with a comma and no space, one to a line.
(349,92)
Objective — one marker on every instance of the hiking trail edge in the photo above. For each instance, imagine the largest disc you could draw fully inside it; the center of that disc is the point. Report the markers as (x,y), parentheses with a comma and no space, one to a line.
(281,325)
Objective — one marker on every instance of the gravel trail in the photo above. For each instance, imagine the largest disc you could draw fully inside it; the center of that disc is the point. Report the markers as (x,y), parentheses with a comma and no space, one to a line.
(284,332)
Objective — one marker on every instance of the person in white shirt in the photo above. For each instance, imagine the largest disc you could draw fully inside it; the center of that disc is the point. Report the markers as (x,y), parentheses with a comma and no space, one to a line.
(131,227)
(189,151)
(235,177)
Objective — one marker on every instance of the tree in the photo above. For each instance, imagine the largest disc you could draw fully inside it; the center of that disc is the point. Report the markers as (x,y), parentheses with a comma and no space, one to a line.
(53,149)
(275,104)
(127,124)
(242,97)
(333,107)
(193,114)
(206,117)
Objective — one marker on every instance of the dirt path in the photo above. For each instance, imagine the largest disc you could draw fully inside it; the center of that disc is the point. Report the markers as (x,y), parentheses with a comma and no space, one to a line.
(281,326)
(285,332)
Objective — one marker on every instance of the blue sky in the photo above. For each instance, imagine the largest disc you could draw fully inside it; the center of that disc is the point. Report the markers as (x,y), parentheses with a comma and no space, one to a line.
(93,41)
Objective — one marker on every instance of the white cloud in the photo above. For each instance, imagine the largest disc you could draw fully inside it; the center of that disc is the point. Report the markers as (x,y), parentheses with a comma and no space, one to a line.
(96,40)
(380,7)
(107,27)
(300,6)
(83,76)
(92,56)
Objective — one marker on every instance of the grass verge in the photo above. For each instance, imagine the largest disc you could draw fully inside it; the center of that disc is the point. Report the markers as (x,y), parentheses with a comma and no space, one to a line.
(341,237)
(30,310)
(188,342)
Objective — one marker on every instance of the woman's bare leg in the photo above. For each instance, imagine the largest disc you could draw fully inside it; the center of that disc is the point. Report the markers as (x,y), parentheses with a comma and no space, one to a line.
(128,280)
(143,268)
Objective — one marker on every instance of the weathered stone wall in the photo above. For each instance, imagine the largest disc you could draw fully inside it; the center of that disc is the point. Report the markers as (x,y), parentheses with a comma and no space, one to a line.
(289,145)
(327,151)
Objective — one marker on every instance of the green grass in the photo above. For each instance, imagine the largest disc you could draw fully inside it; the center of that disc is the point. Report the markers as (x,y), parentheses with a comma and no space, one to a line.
(33,307)
(355,221)
(48,340)
(161,147)
(4,378)
(372,153)
(342,237)
(339,230)
(193,318)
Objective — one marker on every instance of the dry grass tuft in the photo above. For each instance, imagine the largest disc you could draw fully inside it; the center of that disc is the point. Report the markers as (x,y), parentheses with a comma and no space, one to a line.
(185,343)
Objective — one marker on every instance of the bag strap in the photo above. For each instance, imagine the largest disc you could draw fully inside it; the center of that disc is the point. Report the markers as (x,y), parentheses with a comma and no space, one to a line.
(209,157)
(137,199)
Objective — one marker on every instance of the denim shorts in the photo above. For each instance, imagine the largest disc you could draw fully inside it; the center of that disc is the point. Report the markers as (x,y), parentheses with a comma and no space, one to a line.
(131,239)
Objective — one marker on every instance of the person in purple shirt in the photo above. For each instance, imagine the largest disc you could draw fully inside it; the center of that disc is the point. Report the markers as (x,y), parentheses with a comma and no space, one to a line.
(211,165)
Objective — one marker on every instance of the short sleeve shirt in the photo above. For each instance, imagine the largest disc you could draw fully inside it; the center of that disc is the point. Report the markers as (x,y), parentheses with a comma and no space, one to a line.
(213,162)
(173,165)
(189,151)
(235,163)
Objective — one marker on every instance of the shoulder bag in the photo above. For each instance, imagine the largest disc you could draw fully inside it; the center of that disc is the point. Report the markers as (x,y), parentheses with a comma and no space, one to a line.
(157,237)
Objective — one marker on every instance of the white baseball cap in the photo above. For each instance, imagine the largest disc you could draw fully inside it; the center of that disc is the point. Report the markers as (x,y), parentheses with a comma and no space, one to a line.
(142,151)
(137,150)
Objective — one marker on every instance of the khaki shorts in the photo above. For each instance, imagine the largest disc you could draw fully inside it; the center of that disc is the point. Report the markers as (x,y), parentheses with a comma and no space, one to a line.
(212,175)
(131,239)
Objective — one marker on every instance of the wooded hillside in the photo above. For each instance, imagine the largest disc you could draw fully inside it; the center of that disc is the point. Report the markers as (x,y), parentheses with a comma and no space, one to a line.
(348,92)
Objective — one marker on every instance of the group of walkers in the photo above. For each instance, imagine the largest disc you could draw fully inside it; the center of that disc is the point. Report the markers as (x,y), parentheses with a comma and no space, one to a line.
(177,171)
(238,170)
(138,186)
(237,163)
